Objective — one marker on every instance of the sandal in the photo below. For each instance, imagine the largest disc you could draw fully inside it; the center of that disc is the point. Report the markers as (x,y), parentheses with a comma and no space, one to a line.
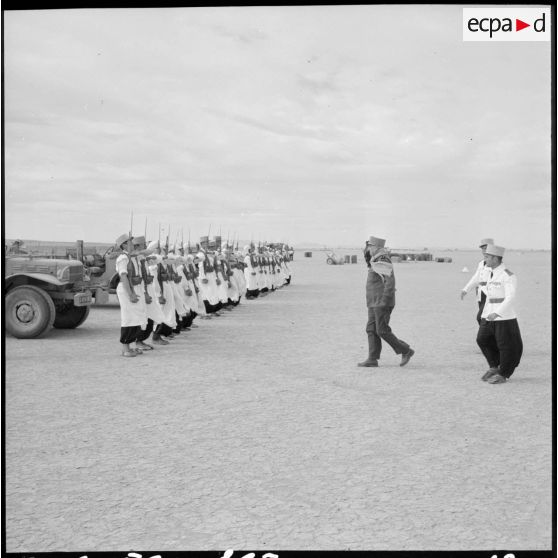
(128,353)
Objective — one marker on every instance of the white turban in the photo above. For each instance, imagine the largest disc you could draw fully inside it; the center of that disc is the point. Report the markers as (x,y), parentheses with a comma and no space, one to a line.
(152,246)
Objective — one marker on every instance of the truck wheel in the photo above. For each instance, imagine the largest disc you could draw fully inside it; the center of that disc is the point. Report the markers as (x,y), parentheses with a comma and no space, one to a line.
(29,312)
(70,317)
(329,261)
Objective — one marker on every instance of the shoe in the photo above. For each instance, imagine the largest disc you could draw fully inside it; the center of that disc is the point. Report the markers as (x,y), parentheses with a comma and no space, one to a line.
(489,373)
(171,336)
(128,353)
(144,346)
(194,325)
(497,379)
(406,357)
(160,342)
(369,363)
(137,351)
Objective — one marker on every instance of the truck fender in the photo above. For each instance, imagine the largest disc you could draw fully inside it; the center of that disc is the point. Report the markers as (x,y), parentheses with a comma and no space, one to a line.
(41,277)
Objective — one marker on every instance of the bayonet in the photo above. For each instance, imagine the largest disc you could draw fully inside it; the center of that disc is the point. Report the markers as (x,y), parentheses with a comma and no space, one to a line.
(130,233)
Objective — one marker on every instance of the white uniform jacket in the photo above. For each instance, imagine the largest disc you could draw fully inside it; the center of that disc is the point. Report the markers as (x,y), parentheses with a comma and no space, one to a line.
(500,297)
(479,279)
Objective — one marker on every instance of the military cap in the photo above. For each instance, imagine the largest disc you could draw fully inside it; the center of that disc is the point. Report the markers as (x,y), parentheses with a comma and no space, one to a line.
(375,241)
(486,242)
(493,250)
(122,238)
(137,240)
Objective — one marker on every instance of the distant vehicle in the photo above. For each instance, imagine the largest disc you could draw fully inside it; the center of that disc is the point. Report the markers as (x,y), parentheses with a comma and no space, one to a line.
(333,259)
(41,293)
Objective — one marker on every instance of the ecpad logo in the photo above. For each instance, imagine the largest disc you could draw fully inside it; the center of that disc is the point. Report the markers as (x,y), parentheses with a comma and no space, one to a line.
(506,24)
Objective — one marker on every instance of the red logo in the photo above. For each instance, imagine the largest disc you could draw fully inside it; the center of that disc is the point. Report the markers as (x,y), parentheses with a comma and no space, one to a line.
(519,25)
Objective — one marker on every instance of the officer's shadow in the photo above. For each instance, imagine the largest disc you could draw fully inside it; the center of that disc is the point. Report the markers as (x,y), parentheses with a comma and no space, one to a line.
(518,379)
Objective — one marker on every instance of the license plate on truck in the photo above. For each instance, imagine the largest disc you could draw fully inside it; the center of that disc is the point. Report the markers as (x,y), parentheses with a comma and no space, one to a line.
(82,299)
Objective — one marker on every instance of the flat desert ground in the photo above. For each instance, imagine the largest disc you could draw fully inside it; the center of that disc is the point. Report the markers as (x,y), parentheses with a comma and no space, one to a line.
(258,431)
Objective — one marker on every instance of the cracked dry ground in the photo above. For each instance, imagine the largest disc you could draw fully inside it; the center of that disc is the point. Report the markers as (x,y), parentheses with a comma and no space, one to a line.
(257,430)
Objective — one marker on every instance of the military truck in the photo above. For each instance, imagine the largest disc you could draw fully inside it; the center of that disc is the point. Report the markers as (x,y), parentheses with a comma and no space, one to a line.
(41,293)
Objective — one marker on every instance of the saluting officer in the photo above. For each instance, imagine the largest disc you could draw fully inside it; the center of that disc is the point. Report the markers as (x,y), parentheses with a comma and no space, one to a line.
(380,300)
(499,337)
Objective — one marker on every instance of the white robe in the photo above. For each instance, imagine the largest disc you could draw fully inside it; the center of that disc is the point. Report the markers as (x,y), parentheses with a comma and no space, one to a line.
(240,280)
(208,290)
(169,316)
(154,311)
(251,275)
(131,313)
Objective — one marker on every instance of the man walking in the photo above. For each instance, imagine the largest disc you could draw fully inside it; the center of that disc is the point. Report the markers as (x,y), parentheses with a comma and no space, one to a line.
(380,300)
(479,279)
(499,337)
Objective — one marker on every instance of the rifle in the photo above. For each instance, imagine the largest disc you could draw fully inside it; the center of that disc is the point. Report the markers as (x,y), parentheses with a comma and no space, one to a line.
(130,233)
(167,241)
(145,232)
(159,241)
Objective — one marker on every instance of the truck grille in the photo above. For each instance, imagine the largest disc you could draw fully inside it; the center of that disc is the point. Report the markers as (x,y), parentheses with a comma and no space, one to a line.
(76,273)
(31,268)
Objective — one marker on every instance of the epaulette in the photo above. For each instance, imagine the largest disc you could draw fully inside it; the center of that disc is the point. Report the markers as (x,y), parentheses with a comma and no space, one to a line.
(508,271)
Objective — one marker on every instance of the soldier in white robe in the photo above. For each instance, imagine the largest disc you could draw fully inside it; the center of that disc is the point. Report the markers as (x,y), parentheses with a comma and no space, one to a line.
(251,273)
(133,315)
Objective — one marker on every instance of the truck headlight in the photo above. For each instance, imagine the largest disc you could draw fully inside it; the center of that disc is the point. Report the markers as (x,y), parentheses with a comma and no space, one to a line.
(63,274)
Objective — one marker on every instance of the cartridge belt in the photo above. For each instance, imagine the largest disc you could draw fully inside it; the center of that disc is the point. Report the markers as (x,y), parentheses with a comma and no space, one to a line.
(135,280)
(495,300)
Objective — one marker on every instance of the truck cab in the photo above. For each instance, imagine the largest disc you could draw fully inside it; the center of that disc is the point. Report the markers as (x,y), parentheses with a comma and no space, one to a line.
(41,293)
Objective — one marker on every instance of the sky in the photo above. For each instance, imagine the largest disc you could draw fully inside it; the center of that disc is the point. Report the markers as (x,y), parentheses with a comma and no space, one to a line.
(298,124)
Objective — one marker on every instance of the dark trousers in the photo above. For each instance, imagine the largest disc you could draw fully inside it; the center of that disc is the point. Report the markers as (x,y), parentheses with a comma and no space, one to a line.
(212,308)
(481,307)
(129,334)
(501,344)
(163,329)
(188,319)
(145,333)
(378,328)
(179,324)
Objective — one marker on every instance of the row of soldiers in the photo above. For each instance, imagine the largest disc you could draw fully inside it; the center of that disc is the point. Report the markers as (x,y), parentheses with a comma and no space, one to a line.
(163,289)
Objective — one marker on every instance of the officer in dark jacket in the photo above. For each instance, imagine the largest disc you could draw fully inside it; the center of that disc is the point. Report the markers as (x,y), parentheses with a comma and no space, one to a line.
(380,300)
